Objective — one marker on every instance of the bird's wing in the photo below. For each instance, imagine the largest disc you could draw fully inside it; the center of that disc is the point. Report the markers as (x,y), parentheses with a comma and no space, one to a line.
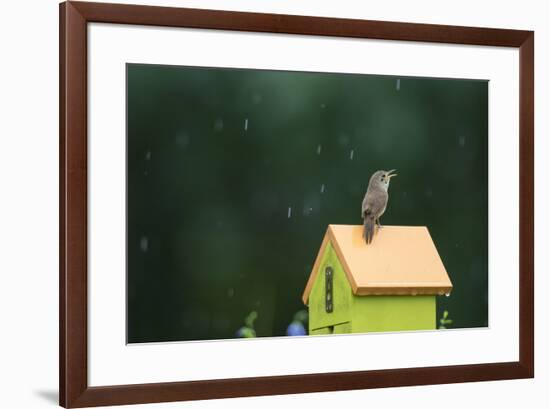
(374,203)
(364,206)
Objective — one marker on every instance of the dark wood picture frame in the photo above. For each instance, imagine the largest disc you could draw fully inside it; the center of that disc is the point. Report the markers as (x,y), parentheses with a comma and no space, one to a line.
(73,228)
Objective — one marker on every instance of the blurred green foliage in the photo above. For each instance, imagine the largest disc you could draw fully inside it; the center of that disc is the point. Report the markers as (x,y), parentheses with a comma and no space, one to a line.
(234,175)
(444,321)
(247,331)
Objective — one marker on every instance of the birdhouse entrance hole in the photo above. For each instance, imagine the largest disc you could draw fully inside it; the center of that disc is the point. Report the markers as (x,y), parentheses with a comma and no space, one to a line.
(329,304)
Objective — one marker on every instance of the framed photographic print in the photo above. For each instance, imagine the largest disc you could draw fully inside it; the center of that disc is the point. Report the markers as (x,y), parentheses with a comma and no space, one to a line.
(256,204)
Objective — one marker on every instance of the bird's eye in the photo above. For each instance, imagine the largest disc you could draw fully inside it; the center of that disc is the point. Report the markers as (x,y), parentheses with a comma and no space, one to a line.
(381,180)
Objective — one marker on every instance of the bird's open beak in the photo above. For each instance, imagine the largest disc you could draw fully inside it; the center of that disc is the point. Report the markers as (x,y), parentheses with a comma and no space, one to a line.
(391,174)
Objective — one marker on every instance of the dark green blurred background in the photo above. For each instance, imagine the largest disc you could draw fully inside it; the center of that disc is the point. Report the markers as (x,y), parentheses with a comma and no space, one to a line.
(234,175)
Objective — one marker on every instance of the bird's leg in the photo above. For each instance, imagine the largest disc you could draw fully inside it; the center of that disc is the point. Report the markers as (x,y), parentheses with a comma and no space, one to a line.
(378,223)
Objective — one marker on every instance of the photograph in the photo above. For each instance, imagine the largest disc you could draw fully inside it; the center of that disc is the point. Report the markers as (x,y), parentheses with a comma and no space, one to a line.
(266,203)
(275,203)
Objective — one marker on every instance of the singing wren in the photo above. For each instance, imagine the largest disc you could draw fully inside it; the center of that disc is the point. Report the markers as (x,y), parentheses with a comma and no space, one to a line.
(375,202)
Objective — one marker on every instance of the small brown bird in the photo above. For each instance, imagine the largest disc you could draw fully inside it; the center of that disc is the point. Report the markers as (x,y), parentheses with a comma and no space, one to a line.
(375,201)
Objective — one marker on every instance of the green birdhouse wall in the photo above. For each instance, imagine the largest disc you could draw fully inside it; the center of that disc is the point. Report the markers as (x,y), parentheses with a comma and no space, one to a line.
(389,285)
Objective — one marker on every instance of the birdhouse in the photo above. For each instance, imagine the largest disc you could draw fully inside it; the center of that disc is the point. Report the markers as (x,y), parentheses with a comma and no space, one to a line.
(388,285)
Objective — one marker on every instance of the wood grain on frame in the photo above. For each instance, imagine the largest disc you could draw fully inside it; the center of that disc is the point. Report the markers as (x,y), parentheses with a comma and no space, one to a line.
(73,245)
(73,351)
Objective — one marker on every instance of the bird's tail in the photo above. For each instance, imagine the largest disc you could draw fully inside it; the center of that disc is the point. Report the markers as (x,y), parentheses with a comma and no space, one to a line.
(368,229)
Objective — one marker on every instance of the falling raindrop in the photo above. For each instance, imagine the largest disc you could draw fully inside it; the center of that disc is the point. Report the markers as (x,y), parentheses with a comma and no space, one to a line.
(256,99)
(351,155)
(218,124)
(307,210)
(323,188)
(148,155)
(323,106)
(343,140)
(289,212)
(182,139)
(246,124)
(398,84)
(462,141)
(318,149)
(144,244)
(230,292)
(448,295)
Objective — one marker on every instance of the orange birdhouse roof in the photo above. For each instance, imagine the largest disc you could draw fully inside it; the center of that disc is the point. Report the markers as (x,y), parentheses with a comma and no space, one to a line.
(401,260)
